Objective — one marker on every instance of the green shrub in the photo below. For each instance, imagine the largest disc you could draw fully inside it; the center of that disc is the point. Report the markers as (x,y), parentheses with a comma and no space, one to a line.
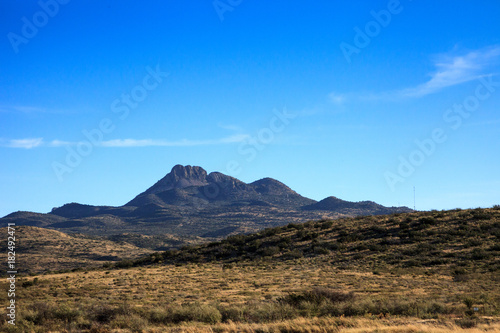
(269,251)
(321,250)
(467,322)
(195,312)
(133,322)
(293,254)
(317,296)
(66,313)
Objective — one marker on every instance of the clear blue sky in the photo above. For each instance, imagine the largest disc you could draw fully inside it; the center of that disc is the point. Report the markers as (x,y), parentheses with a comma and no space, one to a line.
(329,97)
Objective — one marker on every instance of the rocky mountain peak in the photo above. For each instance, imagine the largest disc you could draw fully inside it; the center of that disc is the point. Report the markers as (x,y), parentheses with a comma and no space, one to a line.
(271,186)
(180,177)
(188,172)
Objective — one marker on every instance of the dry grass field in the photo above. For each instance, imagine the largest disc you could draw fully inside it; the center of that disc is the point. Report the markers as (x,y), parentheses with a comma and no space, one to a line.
(354,286)
(42,250)
(258,297)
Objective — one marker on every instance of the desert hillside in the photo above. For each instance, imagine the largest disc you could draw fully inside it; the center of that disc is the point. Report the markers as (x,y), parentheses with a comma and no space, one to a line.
(417,272)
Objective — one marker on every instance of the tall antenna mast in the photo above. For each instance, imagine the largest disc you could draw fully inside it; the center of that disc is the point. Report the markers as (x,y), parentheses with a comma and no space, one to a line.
(414,198)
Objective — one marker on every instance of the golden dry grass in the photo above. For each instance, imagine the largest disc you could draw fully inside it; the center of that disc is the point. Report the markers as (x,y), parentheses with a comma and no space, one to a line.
(40,250)
(249,285)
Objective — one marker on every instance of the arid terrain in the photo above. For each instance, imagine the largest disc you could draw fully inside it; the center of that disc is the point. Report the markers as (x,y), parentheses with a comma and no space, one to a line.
(412,272)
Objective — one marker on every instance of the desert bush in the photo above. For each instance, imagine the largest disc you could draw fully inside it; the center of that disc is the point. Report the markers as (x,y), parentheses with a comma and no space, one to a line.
(466,322)
(427,221)
(66,313)
(104,313)
(480,214)
(233,313)
(270,232)
(126,264)
(237,239)
(316,296)
(269,251)
(460,275)
(295,226)
(132,322)
(293,254)
(194,312)
(321,250)
(268,312)
(479,254)
(326,225)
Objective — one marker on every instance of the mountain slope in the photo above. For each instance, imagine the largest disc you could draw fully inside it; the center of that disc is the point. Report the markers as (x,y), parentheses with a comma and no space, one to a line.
(190,185)
(353,208)
(458,242)
(190,202)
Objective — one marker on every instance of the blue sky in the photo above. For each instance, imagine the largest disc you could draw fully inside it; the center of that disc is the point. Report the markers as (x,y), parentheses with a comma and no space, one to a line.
(363,100)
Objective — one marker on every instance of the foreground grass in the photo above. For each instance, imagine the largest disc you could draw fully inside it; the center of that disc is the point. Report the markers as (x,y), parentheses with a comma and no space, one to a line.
(418,272)
(352,325)
(296,296)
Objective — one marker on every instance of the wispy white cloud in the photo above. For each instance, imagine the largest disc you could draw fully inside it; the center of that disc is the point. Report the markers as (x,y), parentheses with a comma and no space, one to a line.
(166,143)
(451,69)
(123,143)
(454,70)
(21,109)
(22,143)
(59,143)
(230,127)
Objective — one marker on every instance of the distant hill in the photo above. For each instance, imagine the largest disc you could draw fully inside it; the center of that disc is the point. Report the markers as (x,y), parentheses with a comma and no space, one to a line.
(456,242)
(188,202)
(41,250)
(351,208)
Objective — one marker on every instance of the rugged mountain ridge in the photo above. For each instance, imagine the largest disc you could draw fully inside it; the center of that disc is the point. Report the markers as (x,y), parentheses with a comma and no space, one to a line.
(191,185)
(190,202)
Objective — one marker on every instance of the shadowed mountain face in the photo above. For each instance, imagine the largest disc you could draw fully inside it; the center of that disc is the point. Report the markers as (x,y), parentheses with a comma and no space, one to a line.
(191,186)
(190,202)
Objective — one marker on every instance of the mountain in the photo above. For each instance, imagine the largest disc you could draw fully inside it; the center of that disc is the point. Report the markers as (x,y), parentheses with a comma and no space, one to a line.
(191,186)
(349,207)
(188,202)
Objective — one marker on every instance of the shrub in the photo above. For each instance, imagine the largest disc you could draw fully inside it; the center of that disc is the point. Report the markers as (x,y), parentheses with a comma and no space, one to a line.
(326,225)
(132,322)
(66,313)
(232,313)
(427,221)
(320,250)
(294,254)
(467,322)
(317,296)
(460,275)
(124,264)
(237,239)
(269,251)
(479,254)
(195,312)
(295,226)
(105,313)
